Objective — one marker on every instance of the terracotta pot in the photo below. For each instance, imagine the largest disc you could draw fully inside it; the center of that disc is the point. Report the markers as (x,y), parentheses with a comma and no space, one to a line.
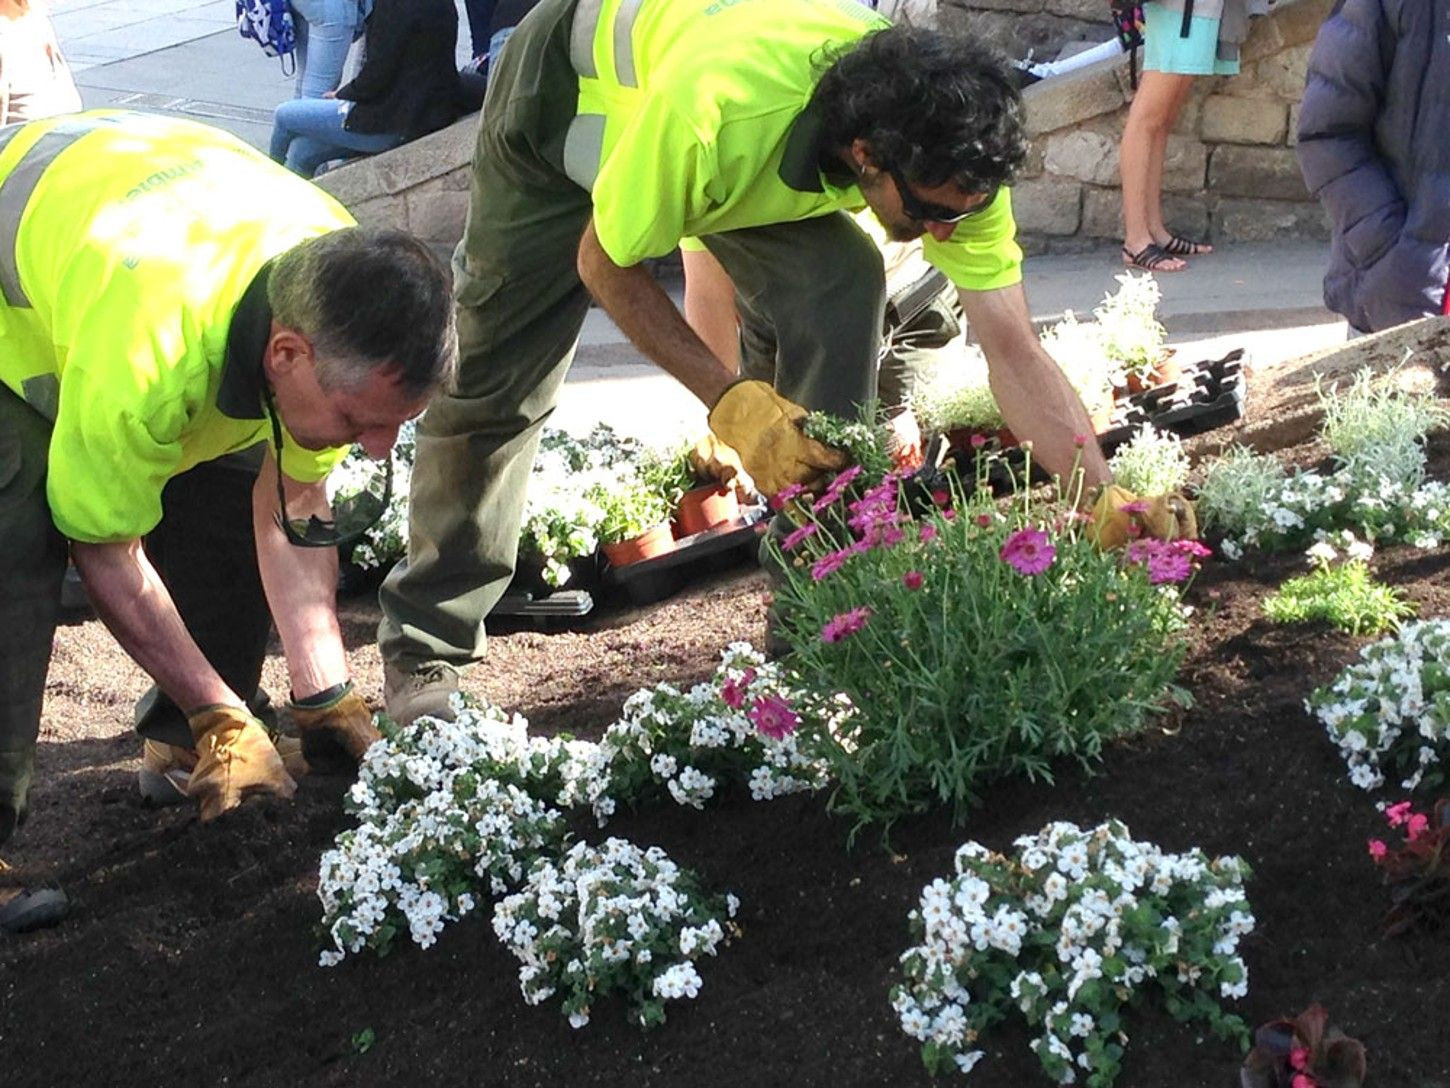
(649,544)
(1166,369)
(706,507)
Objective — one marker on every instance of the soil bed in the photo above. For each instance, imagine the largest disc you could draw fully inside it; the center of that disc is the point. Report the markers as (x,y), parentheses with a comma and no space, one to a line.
(191,954)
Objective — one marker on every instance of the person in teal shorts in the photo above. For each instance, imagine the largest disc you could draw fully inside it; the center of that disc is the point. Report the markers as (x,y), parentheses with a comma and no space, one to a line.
(1181,39)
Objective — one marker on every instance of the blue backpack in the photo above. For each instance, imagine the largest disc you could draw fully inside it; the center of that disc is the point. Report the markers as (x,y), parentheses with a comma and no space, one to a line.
(269,24)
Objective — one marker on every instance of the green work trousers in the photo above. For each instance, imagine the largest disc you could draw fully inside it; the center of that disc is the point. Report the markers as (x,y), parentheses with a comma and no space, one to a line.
(818,284)
(32,564)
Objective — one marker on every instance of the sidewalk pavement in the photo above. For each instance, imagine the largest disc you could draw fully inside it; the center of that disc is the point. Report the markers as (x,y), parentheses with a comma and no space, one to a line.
(185,57)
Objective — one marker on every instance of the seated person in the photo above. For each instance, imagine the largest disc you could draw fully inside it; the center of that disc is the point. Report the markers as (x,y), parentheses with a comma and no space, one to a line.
(407,88)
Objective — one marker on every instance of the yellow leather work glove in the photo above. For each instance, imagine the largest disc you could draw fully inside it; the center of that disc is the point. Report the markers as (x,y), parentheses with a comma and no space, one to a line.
(235,758)
(712,459)
(1120,517)
(335,733)
(764,429)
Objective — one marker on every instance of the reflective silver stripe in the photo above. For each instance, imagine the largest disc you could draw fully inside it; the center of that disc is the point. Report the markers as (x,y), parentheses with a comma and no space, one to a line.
(8,133)
(624,42)
(583,148)
(19,185)
(585,30)
(42,393)
(581,37)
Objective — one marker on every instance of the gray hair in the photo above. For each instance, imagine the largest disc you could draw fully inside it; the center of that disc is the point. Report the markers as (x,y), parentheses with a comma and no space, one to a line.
(368,300)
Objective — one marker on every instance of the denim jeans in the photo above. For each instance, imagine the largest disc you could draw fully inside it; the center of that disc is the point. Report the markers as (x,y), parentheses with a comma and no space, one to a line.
(322,50)
(307,132)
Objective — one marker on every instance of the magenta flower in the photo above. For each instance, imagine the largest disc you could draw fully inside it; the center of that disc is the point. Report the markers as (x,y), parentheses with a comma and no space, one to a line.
(1299,1058)
(786,495)
(794,539)
(845,625)
(1377,849)
(978,440)
(1419,823)
(837,488)
(984,520)
(1166,565)
(828,564)
(949,514)
(1137,506)
(941,496)
(1398,813)
(912,579)
(732,692)
(1192,548)
(773,717)
(928,533)
(1028,551)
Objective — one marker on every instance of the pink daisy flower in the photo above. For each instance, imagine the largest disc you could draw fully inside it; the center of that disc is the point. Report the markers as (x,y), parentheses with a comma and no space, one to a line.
(1028,551)
(912,579)
(793,541)
(845,625)
(773,717)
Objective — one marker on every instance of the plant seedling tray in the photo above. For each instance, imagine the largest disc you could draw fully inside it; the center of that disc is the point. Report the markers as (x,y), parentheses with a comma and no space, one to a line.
(1208,394)
(717,549)
(562,604)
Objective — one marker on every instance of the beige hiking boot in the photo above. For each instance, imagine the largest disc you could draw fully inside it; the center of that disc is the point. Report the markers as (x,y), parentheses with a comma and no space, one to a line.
(166,769)
(424,693)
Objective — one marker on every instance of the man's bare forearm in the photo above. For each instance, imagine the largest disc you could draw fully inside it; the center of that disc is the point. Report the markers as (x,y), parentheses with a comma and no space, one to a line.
(134,603)
(645,314)
(301,586)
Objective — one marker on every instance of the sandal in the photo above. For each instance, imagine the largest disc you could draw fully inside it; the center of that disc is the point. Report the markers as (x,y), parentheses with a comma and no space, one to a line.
(1178,246)
(1149,258)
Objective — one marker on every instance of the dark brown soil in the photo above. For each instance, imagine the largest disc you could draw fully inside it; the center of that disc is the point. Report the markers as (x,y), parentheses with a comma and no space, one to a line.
(191,954)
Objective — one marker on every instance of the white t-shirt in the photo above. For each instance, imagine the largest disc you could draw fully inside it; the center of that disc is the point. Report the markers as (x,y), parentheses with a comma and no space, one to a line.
(35,80)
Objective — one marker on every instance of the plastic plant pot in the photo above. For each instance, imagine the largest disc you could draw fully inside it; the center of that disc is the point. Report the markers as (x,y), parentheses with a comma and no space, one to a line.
(705,508)
(649,544)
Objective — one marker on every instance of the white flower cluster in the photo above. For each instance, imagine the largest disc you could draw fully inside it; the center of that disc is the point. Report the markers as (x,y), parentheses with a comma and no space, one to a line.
(387,541)
(685,743)
(1131,334)
(1378,489)
(1151,463)
(1065,932)
(611,918)
(446,810)
(1390,711)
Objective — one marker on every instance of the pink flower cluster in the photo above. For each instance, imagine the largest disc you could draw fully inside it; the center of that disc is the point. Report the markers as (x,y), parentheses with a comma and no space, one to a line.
(845,625)
(1299,1062)
(1167,560)
(1400,814)
(732,692)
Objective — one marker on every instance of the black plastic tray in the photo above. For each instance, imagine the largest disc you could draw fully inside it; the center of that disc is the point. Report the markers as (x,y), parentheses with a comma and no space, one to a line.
(652,580)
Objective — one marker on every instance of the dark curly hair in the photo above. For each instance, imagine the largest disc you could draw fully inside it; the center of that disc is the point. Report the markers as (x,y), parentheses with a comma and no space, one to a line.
(938,107)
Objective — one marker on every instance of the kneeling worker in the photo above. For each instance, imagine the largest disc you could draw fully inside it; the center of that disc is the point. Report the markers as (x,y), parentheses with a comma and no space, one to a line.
(169,299)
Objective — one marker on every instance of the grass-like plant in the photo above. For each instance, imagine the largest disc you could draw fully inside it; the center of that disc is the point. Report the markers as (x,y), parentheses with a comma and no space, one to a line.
(1378,432)
(1344,594)
(1151,463)
(946,633)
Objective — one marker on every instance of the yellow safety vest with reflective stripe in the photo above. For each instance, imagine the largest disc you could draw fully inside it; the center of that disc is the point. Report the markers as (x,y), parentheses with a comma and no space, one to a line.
(689,122)
(126,242)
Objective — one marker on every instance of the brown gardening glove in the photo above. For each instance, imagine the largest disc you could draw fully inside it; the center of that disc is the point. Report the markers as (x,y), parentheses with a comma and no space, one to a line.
(711,459)
(1120,517)
(337,732)
(235,758)
(764,429)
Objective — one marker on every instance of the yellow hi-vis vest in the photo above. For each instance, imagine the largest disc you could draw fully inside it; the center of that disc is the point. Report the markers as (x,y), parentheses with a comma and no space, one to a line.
(126,244)
(692,121)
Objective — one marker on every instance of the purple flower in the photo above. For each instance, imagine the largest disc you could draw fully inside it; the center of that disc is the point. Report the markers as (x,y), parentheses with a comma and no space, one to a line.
(912,579)
(773,717)
(828,564)
(795,538)
(837,488)
(1028,551)
(786,495)
(928,533)
(845,625)
(1167,565)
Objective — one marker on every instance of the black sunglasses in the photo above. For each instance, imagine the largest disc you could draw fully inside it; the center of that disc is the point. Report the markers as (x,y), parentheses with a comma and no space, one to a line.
(352,515)
(924,211)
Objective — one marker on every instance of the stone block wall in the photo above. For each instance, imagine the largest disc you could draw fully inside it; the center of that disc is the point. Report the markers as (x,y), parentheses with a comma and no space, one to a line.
(1230,174)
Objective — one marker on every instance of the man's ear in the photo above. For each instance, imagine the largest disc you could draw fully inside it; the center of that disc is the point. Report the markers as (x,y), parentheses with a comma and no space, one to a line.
(860,155)
(287,349)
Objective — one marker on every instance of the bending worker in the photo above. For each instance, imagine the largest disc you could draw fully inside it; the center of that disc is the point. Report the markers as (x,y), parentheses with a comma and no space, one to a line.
(612,129)
(171,298)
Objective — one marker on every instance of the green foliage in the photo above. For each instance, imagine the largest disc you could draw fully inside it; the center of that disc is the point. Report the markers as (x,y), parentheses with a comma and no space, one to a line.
(1152,463)
(1131,335)
(865,444)
(362,1041)
(1378,432)
(669,474)
(628,508)
(957,396)
(960,668)
(1343,594)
